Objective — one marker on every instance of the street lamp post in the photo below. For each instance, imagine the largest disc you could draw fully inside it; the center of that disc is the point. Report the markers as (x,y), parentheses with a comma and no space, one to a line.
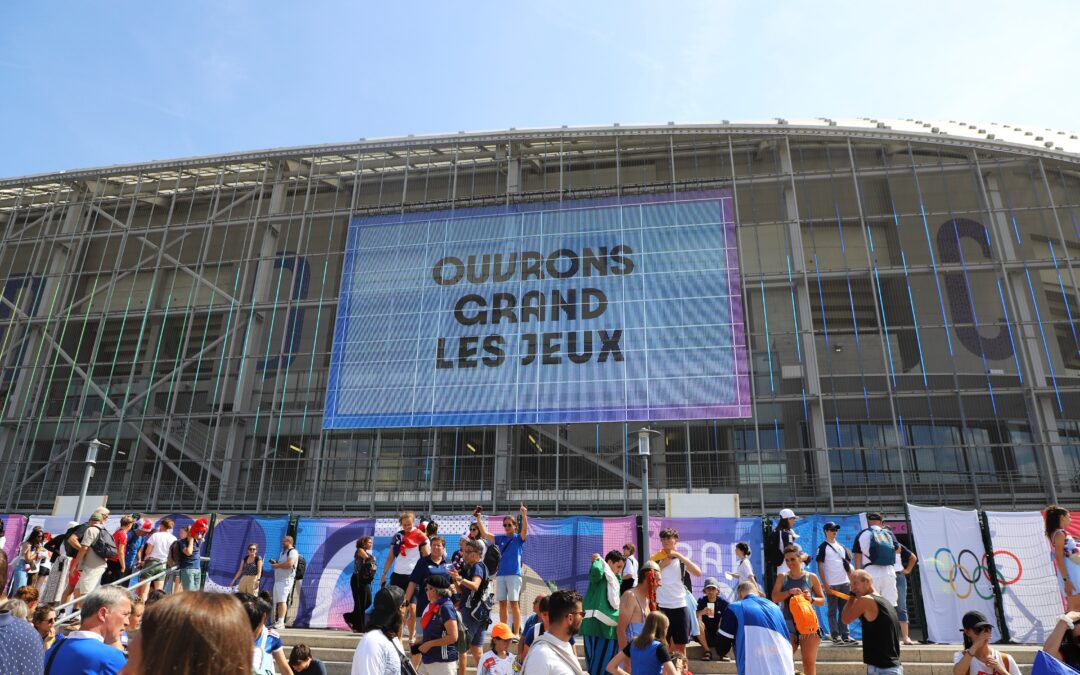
(91,460)
(644,434)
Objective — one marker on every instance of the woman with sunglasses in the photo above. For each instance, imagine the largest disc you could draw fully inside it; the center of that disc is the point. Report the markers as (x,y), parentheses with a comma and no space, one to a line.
(978,656)
(250,572)
(44,622)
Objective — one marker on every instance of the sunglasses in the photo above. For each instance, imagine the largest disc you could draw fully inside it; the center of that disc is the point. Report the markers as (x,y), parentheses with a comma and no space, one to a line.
(508,524)
(983,629)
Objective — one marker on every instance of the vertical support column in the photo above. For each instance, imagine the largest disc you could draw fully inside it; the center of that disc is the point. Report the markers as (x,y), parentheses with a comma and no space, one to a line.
(501,485)
(1041,414)
(252,334)
(816,413)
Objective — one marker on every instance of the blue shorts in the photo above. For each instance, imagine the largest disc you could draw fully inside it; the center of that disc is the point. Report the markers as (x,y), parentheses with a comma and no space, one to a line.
(476,631)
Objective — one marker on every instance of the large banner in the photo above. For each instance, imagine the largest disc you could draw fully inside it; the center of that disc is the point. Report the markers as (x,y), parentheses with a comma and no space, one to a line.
(810,535)
(328,545)
(604,310)
(1025,573)
(228,546)
(14,534)
(710,543)
(952,572)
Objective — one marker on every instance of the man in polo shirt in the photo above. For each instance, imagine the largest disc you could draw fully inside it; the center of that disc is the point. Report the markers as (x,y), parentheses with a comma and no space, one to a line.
(508,580)
(91,566)
(104,616)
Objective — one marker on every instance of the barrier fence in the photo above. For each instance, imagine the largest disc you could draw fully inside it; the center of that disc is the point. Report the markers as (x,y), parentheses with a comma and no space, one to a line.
(995,562)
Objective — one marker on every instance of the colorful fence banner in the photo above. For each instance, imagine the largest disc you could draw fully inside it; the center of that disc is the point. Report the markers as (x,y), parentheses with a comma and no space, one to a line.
(951,568)
(710,544)
(1025,573)
(14,533)
(328,545)
(228,546)
(810,536)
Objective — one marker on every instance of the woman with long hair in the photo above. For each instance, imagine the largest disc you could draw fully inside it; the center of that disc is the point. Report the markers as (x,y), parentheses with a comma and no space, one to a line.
(1066,555)
(250,571)
(799,582)
(26,565)
(647,653)
(193,633)
(364,569)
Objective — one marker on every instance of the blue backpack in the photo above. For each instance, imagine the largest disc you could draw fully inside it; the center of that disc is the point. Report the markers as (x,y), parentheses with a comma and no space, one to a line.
(882,547)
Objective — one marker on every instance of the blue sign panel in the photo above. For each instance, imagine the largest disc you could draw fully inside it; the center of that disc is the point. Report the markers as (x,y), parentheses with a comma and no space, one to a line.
(585,311)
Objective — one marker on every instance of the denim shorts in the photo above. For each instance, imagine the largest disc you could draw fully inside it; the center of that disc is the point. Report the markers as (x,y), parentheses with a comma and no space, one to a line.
(875,670)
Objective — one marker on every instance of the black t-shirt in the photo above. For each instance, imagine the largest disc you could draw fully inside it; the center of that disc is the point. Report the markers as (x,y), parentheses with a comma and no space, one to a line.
(881,637)
(712,624)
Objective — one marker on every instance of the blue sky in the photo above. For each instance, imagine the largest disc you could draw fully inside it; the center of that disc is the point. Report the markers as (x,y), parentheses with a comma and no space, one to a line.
(98,83)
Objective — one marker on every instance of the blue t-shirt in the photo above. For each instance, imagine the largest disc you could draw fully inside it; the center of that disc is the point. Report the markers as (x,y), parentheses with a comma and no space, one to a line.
(647,661)
(470,572)
(424,569)
(85,656)
(133,546)
(190,562)
(435,629)
(511,548)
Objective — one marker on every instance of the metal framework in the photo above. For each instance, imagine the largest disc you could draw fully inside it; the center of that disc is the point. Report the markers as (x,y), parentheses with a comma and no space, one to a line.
(910,300)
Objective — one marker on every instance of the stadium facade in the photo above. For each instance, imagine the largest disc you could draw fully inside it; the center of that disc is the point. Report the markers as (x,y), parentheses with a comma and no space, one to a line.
(908,316)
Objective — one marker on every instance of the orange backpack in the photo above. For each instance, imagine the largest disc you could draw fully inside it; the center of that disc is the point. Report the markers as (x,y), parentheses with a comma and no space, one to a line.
(802,612)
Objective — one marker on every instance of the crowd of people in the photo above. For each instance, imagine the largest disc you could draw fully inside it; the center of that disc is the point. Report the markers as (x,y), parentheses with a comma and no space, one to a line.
(434,613)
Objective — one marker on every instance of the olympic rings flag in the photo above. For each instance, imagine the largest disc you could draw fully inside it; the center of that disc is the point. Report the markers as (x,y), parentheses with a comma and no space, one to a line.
(952,568)
(1029,591)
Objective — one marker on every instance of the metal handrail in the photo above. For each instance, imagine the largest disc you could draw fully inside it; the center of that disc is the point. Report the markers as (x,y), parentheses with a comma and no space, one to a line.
(75,616)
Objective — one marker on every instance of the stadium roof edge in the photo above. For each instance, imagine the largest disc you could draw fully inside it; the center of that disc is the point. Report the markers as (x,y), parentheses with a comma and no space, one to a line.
(992,136)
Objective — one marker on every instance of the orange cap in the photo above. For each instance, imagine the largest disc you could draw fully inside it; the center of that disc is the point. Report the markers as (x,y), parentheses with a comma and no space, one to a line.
(502,632)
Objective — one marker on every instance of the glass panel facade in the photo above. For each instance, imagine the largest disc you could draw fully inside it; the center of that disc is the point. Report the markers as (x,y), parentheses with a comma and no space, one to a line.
(912,315)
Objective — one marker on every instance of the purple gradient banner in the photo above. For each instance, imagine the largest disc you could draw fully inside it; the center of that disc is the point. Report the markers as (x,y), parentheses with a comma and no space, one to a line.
(14,533)
(710,543)
(328,545)
(601,310)
(228,545)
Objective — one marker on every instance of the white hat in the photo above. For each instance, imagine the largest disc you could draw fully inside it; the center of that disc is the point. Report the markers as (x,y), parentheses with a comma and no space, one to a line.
(787,513)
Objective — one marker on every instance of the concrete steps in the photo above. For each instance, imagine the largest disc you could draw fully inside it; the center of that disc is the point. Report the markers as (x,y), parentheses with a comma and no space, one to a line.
(335,649)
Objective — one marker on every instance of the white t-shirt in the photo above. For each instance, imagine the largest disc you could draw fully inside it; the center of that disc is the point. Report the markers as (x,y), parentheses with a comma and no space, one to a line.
(377,654)
(159,543)
(631,569)
(672,593)
(542,658)
(864,546)
(833,567)
(289,573)
(404,564)
(744,570)
(977,667)
(492,664)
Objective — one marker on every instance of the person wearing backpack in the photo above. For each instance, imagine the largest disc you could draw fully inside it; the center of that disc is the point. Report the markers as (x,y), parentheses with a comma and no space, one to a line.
(364,570)
(285,575)
(875,552)
(510,544)
(797,591)
(473,604)
(96,548)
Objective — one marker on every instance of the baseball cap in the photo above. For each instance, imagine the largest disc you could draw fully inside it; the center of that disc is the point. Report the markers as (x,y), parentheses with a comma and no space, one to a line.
(97,517)
(975,620)
(502,632)
(831,526)
(874,515)
(711,582)
(438,581)
(787,513)
(144,524)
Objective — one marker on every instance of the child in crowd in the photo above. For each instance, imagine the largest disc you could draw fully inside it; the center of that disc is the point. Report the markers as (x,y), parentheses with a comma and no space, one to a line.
(709,609)
(743,570)
(498,660)
(301,661)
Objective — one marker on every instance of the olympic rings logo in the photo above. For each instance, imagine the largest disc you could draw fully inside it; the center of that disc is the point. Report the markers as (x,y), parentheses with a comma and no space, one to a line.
(950,567)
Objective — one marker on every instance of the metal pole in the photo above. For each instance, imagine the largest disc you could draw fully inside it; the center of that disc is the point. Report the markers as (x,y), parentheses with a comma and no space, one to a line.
(643,451)
(91,460)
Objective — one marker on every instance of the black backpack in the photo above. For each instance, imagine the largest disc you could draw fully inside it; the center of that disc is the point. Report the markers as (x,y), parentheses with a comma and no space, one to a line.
(105,545)
(492,556)
(78,531)
(366,570)
(301,566)
(773,555)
